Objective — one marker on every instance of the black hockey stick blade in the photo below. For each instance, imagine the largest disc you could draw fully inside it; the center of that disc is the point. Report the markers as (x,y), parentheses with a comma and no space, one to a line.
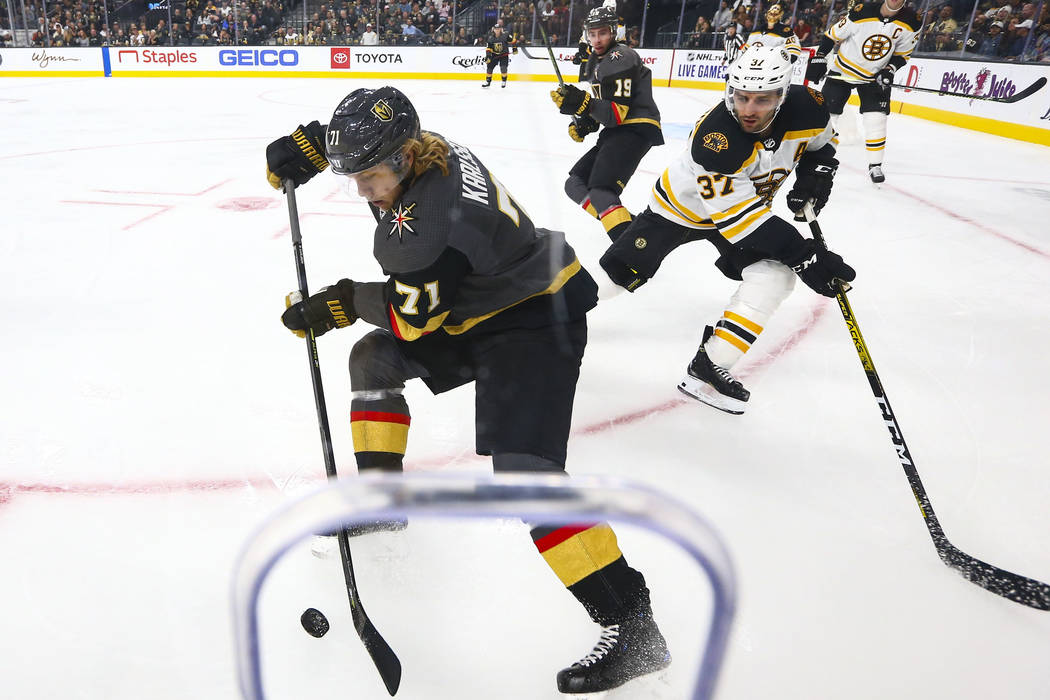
(525,51)
(384,658)
(1020,589)
(1016,97)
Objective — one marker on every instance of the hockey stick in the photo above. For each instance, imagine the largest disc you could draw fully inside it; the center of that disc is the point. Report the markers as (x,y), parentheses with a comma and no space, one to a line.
(383,656)
(550,52)
(1016,97)
(1019,589)
(529,55)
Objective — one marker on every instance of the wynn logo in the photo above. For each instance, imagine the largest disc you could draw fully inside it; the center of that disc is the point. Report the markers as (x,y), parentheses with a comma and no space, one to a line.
(42,59)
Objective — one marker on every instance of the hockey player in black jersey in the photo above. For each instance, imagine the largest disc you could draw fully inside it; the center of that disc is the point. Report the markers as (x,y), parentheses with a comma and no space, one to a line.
(720,190)
(874,41)
(497,52)
(621,100)
(474,293)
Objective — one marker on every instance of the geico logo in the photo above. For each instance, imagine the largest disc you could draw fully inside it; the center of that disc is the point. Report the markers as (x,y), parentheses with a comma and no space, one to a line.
(258,57)
(378,58)
(468,62)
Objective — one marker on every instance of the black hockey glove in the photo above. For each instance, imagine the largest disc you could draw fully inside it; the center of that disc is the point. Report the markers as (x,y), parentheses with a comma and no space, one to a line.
(621,273)
(813,179)
(579,57)
(817,68)
(582,127)
(299,156)
(571,100)
(884,78)
(820,269)
(332,307)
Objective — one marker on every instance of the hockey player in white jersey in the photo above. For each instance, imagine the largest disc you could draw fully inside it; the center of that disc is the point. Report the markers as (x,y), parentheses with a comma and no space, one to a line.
(874,41)
(776,33)
(720,189)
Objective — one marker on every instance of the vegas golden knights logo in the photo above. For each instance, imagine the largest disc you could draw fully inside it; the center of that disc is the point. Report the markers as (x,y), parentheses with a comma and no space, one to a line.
(382,111)
(876,46)
(716,141)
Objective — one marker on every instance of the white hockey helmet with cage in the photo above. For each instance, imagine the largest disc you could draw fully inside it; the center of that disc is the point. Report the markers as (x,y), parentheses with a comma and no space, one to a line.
(760,69)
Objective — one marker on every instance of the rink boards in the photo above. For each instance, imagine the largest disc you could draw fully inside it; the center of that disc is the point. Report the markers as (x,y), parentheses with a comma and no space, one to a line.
(1026,120)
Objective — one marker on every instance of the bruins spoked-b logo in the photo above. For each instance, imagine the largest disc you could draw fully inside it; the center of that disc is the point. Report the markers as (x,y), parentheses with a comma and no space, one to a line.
(382,111)
(876,46)
(716,141)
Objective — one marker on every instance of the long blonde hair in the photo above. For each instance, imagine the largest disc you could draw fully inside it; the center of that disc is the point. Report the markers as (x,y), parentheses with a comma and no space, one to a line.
(428,151)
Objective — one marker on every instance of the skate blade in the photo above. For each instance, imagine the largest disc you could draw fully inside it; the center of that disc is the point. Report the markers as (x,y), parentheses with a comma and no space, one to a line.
(648,686)
(705,393)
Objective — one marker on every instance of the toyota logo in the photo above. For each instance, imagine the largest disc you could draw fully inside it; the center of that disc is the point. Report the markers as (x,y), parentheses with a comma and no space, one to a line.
(340,57)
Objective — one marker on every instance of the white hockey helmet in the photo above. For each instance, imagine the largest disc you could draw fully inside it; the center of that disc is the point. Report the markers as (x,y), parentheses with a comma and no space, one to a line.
(760,69)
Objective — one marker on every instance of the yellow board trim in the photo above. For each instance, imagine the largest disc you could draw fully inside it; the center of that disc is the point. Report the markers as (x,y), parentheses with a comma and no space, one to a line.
(583,554)
(379,436)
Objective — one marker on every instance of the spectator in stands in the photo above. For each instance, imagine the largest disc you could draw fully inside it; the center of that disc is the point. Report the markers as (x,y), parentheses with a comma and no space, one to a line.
(990,44)
(1016,38)
(1041,48)
(977,34)
(804,31)
(946,24)
(723,17)
(369,36)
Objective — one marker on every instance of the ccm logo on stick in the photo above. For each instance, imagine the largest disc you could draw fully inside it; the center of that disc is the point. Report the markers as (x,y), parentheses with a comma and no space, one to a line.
(258,57)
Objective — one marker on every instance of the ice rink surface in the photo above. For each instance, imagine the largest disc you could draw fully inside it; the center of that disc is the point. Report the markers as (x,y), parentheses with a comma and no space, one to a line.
(155,412)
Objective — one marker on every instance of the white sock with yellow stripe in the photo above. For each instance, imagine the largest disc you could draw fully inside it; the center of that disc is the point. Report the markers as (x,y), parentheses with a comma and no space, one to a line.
(765,285)
(874,135)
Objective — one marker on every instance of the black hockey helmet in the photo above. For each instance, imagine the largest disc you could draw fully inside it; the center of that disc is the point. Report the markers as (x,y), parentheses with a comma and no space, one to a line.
(601,17)
(369,127)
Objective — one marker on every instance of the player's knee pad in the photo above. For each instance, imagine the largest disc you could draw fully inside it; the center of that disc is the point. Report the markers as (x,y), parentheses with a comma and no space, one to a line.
(576,188)
(765,285)
(377,365)
(521,462)
(603,199)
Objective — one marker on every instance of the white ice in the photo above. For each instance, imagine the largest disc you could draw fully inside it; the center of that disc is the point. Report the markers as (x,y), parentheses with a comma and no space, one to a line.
(155,411)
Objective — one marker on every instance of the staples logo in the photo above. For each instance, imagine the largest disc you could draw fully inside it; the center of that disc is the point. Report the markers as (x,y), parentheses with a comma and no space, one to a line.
(258,57)
(150,56)
(340,57)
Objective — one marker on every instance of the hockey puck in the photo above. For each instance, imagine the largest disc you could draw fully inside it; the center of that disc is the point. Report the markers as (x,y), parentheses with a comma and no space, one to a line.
(314,622)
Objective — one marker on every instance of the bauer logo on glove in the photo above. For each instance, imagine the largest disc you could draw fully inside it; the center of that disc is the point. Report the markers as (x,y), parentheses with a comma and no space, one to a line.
(332,307)
(571,100)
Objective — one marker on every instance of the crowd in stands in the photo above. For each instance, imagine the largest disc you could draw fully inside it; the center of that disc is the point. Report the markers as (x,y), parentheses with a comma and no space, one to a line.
(1001,29)
(1007,31)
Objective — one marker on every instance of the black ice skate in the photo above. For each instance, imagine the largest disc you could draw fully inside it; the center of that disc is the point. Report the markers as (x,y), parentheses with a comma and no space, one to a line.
(628,650)
(876,174)
(707,382)
(487,83)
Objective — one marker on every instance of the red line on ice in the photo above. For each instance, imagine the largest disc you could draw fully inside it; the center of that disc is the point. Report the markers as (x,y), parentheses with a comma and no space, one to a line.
(9,489)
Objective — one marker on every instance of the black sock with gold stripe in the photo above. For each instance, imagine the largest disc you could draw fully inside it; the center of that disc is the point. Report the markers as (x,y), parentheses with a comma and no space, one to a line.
(587,559)
(380,432)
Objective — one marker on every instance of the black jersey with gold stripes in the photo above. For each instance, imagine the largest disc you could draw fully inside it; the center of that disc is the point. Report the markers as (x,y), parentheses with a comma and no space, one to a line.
(459,251)
(497,46)
(622,92)
(724,182)
(868,42)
